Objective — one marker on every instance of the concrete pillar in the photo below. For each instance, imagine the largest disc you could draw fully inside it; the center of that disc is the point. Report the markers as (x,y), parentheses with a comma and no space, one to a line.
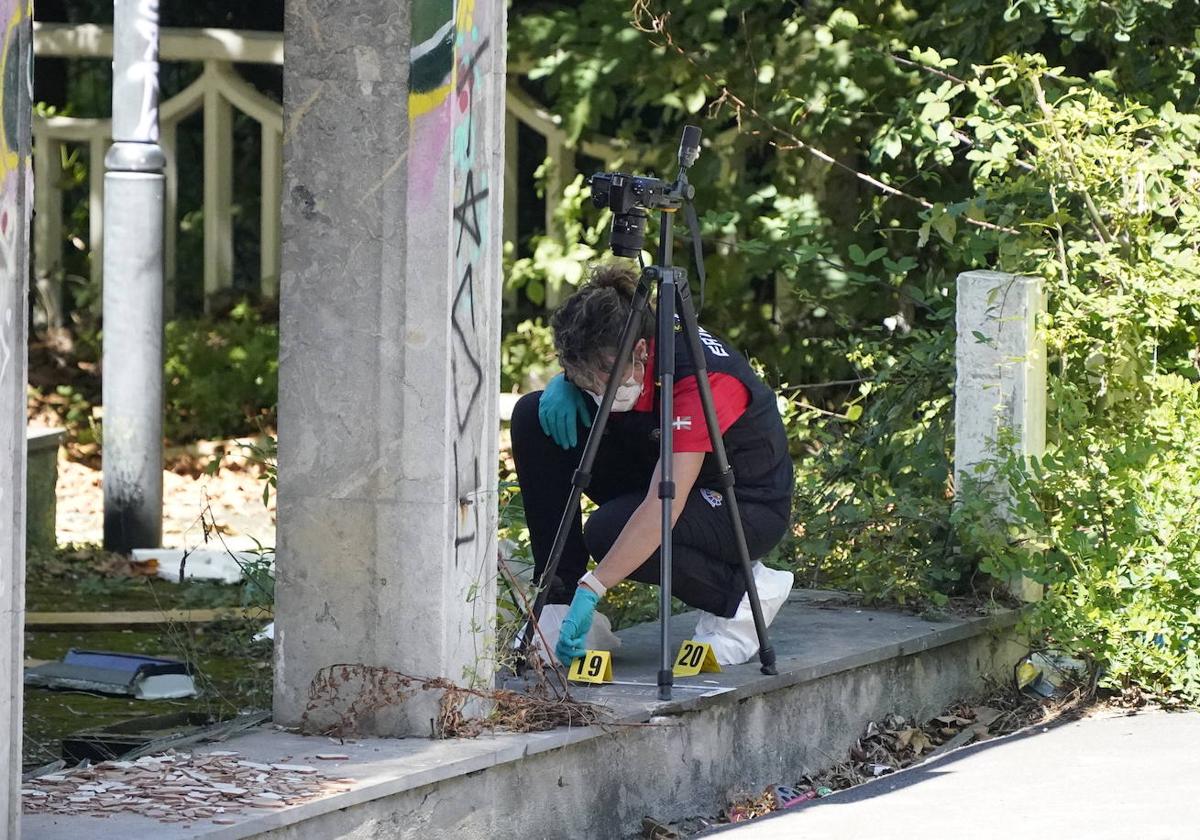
(1000,387)
(15,206)
(393,169)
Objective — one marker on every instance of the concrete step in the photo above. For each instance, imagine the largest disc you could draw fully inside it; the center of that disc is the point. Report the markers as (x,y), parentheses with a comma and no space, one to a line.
(721,734)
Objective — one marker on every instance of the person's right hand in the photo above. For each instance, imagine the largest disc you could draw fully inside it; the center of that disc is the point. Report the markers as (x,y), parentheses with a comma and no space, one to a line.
(572,636)
(561,409)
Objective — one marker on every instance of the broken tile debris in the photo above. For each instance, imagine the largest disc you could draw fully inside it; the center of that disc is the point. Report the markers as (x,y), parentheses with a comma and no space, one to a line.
(178,787)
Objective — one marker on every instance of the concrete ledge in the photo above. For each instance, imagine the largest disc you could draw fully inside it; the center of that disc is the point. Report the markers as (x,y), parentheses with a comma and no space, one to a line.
(738,731)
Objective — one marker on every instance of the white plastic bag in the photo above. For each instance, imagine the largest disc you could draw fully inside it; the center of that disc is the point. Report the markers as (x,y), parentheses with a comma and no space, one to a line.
(599,637)
(734,640)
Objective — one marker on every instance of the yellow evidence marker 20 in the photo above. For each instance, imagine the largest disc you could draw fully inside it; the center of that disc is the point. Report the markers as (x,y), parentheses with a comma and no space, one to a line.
(693,658)
(595,666)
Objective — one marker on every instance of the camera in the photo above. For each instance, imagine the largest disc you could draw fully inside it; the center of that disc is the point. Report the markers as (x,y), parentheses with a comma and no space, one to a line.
(629,197)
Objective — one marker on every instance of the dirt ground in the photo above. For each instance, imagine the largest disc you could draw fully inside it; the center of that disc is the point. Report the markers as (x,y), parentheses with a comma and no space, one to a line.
(235,495)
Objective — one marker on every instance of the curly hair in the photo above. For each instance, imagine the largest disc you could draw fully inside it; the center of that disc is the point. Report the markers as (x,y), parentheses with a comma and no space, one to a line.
(587,327)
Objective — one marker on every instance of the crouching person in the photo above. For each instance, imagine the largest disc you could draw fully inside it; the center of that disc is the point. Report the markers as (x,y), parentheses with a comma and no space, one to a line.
(623,534)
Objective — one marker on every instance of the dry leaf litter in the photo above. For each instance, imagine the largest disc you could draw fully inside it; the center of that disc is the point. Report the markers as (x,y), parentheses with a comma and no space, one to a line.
(179,787)
(891,744)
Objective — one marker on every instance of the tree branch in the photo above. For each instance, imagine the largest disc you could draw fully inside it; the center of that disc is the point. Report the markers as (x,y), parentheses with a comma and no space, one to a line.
(1092,211)
(658,25)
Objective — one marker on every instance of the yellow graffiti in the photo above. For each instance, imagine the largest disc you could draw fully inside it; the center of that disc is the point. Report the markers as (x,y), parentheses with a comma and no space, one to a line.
(423,103)
(466,15)
(10,157)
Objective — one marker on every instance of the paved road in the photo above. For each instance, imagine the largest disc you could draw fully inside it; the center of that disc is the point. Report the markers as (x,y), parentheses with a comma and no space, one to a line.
(1133,777)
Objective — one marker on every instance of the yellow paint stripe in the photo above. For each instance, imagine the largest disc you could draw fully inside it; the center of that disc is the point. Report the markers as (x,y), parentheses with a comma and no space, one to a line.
(466,15)
(423,103)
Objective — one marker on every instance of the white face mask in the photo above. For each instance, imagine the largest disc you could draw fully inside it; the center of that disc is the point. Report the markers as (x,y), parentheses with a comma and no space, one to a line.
(627,394)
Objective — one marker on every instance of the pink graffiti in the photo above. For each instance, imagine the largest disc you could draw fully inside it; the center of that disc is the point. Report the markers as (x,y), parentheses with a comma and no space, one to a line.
(427,145)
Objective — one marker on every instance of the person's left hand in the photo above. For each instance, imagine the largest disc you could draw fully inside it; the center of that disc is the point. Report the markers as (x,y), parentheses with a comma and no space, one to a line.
(573,634)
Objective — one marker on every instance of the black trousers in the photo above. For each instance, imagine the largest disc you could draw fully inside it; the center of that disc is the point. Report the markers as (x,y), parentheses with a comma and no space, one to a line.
(706,571)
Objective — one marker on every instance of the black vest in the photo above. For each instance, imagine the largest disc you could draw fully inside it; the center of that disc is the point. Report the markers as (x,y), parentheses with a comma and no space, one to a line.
(756,444)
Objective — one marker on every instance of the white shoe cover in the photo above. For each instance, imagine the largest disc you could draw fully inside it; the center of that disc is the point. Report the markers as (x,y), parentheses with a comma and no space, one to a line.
(734,640)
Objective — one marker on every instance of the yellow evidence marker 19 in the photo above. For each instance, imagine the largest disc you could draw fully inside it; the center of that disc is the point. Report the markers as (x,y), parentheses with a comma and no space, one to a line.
(693,658)
(595,666)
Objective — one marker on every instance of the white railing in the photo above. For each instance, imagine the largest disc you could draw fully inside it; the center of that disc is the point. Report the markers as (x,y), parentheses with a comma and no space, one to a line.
(215,94)
(217,91)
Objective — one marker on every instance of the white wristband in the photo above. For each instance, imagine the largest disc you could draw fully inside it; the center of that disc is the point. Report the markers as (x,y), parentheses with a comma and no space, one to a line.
(589,580)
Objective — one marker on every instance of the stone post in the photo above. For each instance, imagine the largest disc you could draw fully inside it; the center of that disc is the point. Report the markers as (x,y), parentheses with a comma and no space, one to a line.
(1001,378)
(15,205)
(389,356)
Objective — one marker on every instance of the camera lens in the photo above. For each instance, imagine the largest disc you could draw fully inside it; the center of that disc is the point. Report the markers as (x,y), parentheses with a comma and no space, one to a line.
(628,233)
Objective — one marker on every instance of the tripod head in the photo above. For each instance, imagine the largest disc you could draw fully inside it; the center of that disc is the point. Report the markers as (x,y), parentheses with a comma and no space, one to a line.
(631,196)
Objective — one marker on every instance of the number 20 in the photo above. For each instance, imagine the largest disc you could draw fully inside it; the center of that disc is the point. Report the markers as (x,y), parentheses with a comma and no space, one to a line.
(691,655)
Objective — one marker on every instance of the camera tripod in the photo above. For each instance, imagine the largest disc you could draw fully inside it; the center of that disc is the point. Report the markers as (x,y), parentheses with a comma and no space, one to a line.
(627,196)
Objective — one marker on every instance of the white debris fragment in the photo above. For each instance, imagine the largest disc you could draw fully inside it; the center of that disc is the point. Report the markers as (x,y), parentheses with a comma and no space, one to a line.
(254,765)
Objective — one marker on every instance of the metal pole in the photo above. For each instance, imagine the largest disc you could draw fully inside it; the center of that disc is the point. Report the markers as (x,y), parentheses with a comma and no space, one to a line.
(133,287)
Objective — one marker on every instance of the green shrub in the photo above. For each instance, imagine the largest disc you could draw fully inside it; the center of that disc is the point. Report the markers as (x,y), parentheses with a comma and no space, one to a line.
(873,494)
(222,376)
(1107,517)
(953,146)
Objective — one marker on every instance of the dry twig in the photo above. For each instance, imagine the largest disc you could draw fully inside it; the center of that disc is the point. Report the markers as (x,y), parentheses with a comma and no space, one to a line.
(350,692)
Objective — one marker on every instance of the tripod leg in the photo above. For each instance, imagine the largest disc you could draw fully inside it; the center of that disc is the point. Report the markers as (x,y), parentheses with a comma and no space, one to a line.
(691,331)
(666,487)
(583,475)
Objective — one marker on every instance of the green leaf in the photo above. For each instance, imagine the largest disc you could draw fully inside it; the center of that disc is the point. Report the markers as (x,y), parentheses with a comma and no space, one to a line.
(754,246)
(893,145)
(935,112)
(853,413)
(536,292)
(946,226)
(901,266)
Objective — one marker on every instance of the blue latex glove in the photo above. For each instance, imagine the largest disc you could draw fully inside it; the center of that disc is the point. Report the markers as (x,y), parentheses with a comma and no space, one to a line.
(575,626)
(561,409)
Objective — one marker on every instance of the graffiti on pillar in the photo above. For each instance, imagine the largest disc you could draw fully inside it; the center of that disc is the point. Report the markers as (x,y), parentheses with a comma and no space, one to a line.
(17,81)
(446,122)
(14,73)
(430,80)
(16,93)
(470,233)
